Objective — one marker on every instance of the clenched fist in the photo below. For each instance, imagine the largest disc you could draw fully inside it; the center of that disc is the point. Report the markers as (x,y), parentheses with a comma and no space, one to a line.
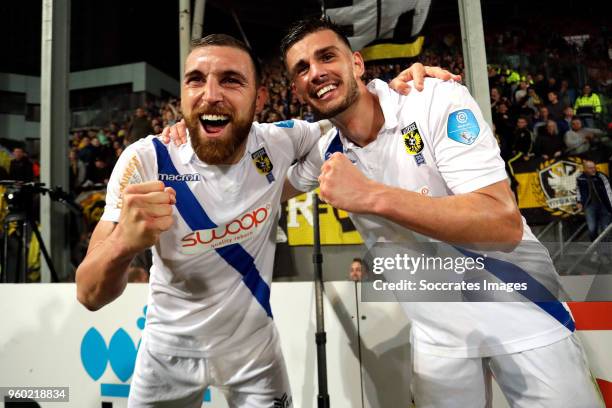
(146,212)
(343,186)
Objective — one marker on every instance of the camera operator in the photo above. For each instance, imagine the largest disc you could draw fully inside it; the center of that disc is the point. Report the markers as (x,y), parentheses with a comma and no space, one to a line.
(21,168)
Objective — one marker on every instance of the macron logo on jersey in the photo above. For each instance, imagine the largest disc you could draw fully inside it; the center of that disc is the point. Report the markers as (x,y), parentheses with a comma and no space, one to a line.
(237,231)
(179,177)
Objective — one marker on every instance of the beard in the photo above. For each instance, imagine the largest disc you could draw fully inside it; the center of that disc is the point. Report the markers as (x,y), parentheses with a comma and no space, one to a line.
(215,151)
(351,96)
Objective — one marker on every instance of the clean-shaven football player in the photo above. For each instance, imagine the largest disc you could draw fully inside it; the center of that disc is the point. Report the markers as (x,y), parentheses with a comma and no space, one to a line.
(426,167)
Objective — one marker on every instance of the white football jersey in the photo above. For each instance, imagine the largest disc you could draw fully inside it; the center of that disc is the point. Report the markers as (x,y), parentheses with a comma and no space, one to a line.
(211,273)
(436,143)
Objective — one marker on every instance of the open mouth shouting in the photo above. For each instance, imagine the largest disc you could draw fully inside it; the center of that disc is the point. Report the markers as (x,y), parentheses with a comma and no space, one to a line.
(214,124)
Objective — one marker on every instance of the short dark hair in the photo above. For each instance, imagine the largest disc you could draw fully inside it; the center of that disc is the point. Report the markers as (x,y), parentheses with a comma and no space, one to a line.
(300,29)
(364,266)
(224,40)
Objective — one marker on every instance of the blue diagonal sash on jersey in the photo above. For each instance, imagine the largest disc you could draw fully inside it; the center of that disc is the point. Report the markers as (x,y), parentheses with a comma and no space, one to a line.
(334,146)
(509,273)
(196,218)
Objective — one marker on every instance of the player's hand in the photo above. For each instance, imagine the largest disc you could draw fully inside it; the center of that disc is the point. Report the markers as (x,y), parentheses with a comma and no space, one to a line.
(176,133)
(146,212)
(343,186)
(417,73)
(579,206)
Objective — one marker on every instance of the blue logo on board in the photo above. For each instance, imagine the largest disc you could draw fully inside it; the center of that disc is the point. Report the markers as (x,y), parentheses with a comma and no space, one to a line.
(120,353)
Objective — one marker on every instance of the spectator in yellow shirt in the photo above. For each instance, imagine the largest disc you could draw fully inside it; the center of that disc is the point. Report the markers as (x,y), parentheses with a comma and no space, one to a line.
(588,106)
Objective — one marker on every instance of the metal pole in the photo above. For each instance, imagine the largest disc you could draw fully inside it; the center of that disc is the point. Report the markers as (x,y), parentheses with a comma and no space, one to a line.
(54,126)
(590,249)
(22,274)
(358,317)
(184,32)
(320,335)
(560,237)
(570,240)
(474,55)
(198,19)
(4,278)
(546,229)
(244,37)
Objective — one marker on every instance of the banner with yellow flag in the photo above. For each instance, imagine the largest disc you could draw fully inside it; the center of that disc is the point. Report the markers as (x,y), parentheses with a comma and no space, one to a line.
(383,29)
(547,188)
(336,226)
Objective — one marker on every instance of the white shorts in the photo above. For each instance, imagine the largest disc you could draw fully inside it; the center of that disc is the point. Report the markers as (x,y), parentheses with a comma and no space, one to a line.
(556,375)
(254,376)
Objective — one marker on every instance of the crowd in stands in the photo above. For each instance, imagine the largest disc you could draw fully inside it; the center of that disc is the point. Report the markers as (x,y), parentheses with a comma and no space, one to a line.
(539,117)
(94,152)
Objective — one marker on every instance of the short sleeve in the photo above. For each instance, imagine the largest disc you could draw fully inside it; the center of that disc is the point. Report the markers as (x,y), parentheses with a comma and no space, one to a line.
(304,175)
(127,170)
(303,135)
(466,151)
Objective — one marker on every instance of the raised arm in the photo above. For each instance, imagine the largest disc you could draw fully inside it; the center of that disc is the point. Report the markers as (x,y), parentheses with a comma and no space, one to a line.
(146,212)
(488,215)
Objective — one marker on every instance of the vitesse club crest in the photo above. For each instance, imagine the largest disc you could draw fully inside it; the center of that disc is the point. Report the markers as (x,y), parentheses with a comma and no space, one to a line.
(263,163)
(413,142)
(558,185)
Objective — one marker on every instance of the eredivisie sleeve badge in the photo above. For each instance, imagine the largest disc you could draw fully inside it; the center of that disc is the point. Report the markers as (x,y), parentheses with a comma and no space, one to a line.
(413,142)
(263,163)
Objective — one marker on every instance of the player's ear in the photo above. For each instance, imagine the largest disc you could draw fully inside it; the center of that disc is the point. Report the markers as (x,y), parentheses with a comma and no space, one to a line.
(358,64)
(261,98)
(296,93)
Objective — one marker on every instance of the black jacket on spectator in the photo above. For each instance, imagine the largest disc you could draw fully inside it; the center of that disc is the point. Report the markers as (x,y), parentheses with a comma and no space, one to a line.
(21,170)
(504,128)
(541,88)
(602,187)
(140,127)
(547,144)
(563,126)
(555,111)
(98,175)
(522,142)
(87,154)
